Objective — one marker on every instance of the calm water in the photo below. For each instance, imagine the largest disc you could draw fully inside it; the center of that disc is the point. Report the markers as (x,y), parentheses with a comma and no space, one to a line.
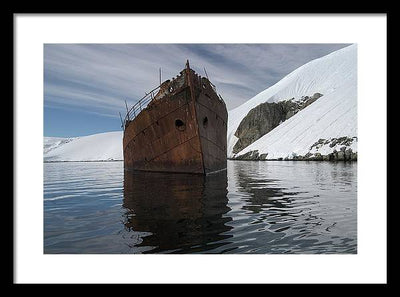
(253,207)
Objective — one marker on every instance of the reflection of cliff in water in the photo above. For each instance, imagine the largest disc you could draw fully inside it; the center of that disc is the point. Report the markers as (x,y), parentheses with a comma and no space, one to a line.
(263,192)
(279,207)
(183,212)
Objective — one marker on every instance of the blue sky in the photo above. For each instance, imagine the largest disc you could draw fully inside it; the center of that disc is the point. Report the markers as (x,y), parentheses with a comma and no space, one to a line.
(85,85)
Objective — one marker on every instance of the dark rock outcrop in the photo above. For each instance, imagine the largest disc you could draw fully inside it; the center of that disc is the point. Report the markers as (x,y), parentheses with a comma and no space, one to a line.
(251,156)
(266,116)
(345,141)
(343,153)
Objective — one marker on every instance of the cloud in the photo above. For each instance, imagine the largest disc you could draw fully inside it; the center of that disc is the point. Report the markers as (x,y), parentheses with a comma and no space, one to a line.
(99,77)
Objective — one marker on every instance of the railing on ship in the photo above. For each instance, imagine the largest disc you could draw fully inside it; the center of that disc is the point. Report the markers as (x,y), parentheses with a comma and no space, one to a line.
(138,107)
(144,101)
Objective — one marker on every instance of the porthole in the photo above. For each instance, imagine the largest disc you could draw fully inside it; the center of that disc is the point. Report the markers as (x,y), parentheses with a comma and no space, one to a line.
(205,122)
(180,125)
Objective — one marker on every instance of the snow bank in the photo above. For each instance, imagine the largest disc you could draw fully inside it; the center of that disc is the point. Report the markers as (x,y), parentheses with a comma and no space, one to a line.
(51,143)
(333,115)
(97,147)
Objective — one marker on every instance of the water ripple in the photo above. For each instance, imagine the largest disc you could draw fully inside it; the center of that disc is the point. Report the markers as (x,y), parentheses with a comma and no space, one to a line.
(254,207)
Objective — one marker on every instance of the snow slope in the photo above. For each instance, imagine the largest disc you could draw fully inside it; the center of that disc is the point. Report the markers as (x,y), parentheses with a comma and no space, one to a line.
(50,143)
(331,116)
(98,147)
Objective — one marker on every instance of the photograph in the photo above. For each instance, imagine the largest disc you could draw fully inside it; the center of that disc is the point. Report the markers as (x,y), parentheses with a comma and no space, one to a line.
(200,148)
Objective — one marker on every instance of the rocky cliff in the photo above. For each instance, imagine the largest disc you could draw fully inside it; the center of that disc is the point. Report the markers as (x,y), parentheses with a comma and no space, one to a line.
(311,114)
(263,118)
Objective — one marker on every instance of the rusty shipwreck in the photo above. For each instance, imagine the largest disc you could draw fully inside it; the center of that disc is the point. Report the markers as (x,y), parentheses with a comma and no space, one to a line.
(180,126)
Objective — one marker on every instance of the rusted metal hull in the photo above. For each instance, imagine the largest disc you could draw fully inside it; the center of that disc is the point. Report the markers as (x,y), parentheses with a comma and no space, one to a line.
(183,129)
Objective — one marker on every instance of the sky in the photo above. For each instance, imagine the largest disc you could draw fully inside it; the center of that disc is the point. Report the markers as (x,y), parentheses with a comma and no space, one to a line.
(86,85)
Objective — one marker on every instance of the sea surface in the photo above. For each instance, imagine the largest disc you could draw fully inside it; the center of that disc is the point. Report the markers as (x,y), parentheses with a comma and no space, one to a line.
(259,207)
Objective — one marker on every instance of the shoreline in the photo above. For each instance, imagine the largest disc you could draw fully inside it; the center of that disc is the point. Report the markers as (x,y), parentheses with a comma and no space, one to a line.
(230,159)
(60,161)
(294,160)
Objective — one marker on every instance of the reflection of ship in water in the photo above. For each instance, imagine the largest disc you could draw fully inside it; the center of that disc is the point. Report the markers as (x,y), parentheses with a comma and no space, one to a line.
(183,212)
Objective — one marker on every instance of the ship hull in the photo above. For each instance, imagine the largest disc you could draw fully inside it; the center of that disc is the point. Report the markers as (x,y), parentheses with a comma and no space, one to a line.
(183,132)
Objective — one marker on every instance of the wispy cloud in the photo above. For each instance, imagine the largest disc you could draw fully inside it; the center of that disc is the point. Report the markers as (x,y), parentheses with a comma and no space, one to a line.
(99,77)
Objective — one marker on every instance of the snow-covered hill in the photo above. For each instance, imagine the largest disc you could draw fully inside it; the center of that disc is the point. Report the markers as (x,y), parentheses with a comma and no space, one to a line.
(51,143)
(316,128)
(98,147)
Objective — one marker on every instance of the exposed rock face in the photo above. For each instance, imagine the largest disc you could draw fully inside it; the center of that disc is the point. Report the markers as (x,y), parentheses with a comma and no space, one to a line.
(332,142)
(343,155)
(265,117)
(251,156)
(259,121)
(344,152)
